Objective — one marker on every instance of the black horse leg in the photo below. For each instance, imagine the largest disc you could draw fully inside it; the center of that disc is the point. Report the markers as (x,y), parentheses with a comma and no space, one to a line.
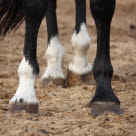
(104,100)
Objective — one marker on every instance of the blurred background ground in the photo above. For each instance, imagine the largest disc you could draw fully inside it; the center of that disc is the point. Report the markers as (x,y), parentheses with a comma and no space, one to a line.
(65,112)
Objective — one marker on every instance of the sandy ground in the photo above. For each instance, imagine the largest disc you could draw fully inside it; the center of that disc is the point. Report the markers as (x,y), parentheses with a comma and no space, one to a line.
(65,112)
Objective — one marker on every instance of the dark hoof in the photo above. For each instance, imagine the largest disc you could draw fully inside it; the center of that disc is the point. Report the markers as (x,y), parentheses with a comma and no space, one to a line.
(74,79)
(99,108)
(56,81)
(19,107)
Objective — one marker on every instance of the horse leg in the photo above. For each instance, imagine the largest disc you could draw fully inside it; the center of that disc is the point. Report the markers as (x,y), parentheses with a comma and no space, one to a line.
(104,100)
(79,69)
(25,98)
(54,53)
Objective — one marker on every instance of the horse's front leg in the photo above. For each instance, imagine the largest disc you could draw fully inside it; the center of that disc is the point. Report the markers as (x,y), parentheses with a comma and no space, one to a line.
(25,97)
(55,52)
(104,100)
(79,69)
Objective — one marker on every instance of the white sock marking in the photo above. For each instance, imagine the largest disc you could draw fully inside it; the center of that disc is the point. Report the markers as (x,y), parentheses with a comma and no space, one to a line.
(54,56)
(26,90)
(81,42)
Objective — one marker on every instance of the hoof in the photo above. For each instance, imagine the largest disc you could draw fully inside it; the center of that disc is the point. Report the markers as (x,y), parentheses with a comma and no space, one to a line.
(19,107)
(74,79)
(99,108)
(56,81)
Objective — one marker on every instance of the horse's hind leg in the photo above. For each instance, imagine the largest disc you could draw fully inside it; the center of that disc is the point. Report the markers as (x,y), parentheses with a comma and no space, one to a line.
(54,53)
(79,69)
(25,98)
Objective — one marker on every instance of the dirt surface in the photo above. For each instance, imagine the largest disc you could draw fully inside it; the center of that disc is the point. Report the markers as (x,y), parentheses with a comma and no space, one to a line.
(65,112)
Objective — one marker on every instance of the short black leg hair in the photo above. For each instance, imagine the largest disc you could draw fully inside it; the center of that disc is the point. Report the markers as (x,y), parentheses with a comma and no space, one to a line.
(34,11)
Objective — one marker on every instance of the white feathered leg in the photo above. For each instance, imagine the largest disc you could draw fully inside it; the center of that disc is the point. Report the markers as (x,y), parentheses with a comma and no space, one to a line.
(54,56)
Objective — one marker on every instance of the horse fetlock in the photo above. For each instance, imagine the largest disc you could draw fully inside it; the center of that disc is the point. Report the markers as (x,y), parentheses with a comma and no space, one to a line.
(28,69)
(55,52)
(81,41)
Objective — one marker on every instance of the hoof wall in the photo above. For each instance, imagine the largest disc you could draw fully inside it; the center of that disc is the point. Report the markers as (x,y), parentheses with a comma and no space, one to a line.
(56,81)
(19,107)
(99,108)
(74,79)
